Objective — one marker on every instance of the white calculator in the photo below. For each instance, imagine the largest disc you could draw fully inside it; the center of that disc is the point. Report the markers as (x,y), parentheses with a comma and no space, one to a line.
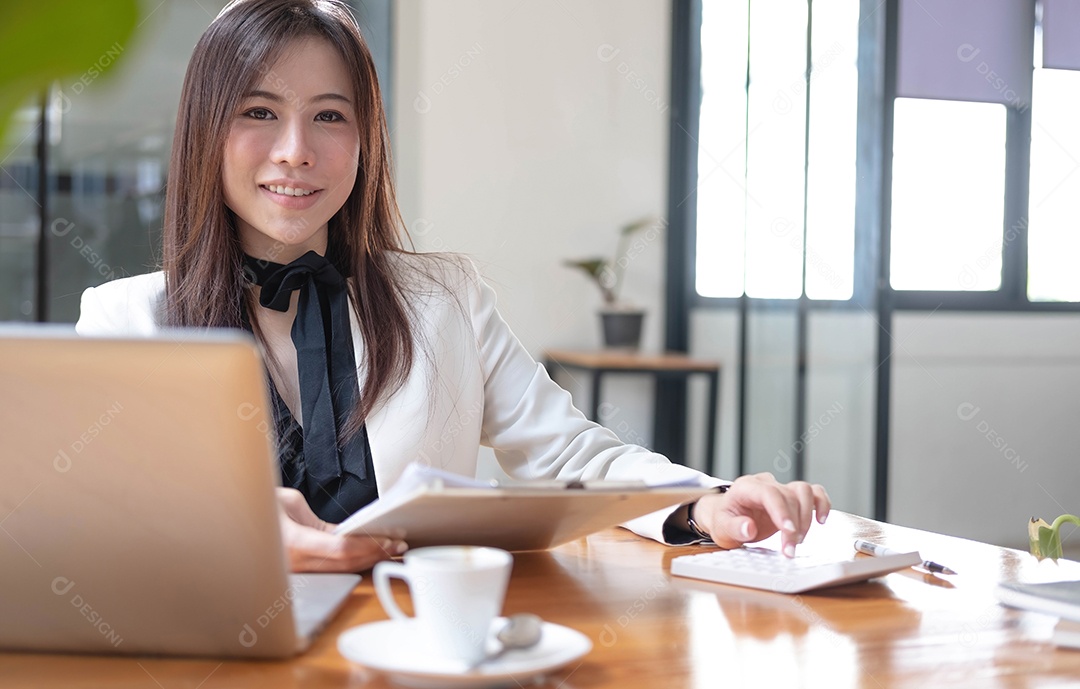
(769,570)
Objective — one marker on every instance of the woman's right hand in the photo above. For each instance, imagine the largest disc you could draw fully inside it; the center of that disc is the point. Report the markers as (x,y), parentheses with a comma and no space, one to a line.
(312,545)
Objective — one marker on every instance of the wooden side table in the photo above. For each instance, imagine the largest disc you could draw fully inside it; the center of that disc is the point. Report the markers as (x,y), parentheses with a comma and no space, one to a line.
(660,366)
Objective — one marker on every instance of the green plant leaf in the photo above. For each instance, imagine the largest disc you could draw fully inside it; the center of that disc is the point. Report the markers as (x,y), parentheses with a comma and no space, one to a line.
(639,224)
(45,40)
(1044,539)
(593,266)
(1041,540)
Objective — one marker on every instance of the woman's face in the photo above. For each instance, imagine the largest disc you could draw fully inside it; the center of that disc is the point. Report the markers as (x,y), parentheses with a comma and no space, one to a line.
(292,153)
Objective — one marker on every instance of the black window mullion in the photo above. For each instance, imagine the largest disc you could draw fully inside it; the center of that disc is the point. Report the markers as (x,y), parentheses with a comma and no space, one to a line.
(1014,268)
(669,413)
(41,273)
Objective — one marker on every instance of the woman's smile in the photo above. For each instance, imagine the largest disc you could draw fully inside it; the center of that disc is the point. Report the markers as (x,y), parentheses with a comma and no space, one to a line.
(292,195)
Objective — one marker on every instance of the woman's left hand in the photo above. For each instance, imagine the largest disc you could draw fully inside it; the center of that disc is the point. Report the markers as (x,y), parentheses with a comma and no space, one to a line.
(756,506)
(312,545)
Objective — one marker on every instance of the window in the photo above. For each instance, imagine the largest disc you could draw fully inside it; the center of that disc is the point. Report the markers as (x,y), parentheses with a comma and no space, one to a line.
(1054,226)
(776,168)
(948,195)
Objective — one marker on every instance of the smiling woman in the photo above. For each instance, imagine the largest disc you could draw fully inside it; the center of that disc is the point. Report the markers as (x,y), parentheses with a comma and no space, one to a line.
(281,219)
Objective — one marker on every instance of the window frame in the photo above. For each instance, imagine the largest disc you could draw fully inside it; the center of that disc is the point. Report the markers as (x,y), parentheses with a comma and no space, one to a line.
(873,291)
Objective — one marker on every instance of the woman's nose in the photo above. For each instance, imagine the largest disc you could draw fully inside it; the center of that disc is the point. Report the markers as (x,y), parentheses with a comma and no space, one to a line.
(293,146)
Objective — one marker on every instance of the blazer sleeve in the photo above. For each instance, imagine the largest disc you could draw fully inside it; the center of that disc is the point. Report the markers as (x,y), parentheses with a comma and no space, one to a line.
(535,430)
(128,306)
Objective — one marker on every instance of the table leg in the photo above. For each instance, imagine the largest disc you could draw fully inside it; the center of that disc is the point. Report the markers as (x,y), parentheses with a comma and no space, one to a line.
(595,402)
(710,438)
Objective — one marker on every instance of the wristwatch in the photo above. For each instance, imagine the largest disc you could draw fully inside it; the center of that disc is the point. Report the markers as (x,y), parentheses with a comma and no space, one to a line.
(694,527)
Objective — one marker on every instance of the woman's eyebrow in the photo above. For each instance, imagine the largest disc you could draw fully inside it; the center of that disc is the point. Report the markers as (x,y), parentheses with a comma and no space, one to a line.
(273,97)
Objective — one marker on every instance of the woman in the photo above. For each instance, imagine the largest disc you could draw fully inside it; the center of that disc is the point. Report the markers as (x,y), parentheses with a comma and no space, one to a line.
(281,218)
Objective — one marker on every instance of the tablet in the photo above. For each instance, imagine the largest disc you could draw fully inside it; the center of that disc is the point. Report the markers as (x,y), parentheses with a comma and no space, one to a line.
(524,516)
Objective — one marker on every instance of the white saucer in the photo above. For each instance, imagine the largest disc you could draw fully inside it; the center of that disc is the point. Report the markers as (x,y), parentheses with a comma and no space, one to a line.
(398,649)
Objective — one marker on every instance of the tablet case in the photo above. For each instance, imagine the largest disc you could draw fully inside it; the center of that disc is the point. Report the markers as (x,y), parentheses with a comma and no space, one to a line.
(522,517)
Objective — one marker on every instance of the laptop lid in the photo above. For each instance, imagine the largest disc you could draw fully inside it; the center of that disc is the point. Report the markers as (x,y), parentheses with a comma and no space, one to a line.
(137,508)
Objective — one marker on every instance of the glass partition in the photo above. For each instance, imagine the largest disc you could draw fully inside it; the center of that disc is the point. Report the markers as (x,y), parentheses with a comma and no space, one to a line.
(20,217)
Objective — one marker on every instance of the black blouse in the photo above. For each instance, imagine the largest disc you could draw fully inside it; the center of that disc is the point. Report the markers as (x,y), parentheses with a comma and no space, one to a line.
(335,501)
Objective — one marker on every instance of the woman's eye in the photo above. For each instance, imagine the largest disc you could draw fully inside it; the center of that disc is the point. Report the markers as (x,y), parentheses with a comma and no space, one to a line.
(259,114)
(329,116)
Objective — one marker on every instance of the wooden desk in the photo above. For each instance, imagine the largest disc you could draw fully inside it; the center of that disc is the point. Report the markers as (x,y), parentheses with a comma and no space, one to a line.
(652,630)
(669,366)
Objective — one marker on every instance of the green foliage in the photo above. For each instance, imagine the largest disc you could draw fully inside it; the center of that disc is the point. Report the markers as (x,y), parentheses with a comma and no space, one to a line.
(45,40)
(608,273)
(1045,539)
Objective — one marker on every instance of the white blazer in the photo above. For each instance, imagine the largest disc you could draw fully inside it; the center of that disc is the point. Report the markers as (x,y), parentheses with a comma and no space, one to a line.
(472,384)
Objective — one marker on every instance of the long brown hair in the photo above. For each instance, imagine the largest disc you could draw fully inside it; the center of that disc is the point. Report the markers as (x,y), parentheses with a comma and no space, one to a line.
(201,247)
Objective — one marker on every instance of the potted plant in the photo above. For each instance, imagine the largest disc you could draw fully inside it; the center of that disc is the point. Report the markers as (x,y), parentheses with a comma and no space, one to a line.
(621,321)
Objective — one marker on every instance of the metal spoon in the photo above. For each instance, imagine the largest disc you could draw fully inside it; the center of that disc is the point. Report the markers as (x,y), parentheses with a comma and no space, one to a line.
(520,631)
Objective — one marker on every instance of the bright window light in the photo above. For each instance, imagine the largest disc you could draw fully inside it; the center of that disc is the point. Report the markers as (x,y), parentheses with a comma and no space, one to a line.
(1053,239)
(776,142)
(830,199)
(721,186)
(948,195)
(754,151)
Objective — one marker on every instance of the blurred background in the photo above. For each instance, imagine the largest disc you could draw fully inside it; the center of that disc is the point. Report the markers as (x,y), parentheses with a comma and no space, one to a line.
(865,212)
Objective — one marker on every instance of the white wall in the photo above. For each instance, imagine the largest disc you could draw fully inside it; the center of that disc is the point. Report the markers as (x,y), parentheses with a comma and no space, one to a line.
(984,422)
(520,141)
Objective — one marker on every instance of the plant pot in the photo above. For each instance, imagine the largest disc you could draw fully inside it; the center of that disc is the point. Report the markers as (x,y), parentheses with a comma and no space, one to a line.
(622,329)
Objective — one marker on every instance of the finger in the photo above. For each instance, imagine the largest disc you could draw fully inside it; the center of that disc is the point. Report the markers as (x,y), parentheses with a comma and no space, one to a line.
(324,552)
(366,551)
(291,500)
(745,530)
(804,494)
(781,511)
(731,531)
(296,506)
(822,503)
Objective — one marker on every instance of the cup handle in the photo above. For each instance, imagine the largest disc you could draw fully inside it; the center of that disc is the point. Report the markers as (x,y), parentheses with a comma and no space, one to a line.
(381,575)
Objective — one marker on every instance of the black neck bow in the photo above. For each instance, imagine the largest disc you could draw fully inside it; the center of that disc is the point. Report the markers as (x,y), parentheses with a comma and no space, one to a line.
(324,349)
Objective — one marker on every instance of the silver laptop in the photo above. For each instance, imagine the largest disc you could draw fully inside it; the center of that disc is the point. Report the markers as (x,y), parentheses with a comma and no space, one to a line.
(137,507)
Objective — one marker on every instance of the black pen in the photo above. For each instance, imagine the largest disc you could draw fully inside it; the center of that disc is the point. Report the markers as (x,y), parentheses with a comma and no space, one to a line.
(881,551)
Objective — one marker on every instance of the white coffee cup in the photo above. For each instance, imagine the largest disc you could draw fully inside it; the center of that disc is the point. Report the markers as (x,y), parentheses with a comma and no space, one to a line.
(457,592)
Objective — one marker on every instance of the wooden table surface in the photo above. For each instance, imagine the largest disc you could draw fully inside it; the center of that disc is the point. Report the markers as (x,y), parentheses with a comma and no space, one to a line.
(615,359)
(650,629)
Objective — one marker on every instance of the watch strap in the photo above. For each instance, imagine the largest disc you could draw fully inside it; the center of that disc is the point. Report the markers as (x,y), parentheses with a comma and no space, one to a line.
(695,528)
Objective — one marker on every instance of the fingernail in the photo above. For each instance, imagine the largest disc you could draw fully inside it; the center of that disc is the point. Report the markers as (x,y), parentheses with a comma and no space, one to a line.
(789,550)
(789,525)
(745,530)
(387,545)
(401,547)
(821,519)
